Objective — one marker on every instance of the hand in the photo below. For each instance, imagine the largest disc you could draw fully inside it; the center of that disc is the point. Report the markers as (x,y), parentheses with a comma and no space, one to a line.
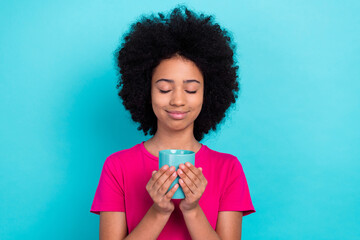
(193,183)
(157,186)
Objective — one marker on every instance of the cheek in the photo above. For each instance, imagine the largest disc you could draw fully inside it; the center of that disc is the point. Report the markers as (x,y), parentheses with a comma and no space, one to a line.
(157,101)
(198,101)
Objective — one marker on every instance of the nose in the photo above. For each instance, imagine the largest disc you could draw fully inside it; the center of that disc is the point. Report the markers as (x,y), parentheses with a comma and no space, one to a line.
(177,98)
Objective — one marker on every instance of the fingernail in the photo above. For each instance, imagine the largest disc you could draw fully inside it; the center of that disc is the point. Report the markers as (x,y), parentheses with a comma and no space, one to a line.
(174,174)
(181,172)
(181,166)
(188,164)
(165,167)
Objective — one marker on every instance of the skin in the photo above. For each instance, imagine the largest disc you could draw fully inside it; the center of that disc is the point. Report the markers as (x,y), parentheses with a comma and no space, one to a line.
(174,94)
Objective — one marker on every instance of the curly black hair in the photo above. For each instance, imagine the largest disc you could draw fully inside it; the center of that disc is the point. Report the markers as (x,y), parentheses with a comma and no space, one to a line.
(184,33)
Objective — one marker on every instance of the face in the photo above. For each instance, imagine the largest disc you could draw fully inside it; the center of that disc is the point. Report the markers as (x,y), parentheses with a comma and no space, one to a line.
(177,89)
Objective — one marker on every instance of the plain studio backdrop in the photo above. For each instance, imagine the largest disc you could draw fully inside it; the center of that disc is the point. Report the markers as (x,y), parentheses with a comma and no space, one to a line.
(295,127)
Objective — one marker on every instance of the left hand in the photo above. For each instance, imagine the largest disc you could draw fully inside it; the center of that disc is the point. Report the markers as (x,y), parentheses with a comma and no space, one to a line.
(193,184)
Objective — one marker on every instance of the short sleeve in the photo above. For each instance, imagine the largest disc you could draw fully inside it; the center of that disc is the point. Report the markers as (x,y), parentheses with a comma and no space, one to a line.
(236,195)
(109,195)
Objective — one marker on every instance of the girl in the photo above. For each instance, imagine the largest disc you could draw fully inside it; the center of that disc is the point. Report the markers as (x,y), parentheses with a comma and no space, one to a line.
(178,79)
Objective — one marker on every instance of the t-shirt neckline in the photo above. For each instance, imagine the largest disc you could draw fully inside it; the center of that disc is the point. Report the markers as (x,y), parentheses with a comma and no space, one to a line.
(197,154)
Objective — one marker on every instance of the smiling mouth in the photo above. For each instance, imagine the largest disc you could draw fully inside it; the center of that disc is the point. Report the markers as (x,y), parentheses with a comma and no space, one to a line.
(176,112)
(177,115)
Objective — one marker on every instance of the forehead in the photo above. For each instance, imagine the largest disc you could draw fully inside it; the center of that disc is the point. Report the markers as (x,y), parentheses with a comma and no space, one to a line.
(177,70)
(172,81)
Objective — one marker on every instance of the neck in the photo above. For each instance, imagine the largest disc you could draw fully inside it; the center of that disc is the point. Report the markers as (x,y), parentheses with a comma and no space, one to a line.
(165,139)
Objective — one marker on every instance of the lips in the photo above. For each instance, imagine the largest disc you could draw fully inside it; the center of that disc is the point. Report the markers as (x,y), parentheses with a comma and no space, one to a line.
(177,114)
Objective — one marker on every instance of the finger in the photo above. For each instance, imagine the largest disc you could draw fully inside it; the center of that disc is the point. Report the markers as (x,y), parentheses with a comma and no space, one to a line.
(156,175)
(189,183)
(192,177)
(202,177)
(197,171)
(164,188)
(194,170)
(161,180)
(151,181)
(188,193)
(171,193)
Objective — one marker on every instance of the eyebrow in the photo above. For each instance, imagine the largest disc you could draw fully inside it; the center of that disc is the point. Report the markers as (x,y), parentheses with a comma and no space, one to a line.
(172,81)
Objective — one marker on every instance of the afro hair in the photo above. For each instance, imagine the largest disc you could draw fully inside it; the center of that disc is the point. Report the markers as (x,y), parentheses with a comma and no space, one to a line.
(184,33)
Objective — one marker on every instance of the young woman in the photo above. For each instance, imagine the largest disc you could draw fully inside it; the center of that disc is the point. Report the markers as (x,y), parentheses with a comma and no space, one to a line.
(178,78)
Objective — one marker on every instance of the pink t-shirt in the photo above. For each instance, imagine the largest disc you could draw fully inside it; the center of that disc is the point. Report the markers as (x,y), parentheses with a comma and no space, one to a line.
(125,174)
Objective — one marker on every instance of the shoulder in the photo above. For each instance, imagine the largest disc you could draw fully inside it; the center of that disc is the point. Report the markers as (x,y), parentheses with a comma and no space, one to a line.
(121,157)
(224,162)
(222,157)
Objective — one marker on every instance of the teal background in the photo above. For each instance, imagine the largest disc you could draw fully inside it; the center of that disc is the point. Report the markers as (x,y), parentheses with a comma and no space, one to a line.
(295,127)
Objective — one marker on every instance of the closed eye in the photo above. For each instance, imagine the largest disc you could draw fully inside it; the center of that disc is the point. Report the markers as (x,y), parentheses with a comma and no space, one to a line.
(164,91)
(191,92)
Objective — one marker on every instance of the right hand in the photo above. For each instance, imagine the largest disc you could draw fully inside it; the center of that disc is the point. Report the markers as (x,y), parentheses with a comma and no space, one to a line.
(157,186)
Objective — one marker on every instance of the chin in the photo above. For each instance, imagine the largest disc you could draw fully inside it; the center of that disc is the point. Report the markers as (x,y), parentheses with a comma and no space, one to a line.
(179,126)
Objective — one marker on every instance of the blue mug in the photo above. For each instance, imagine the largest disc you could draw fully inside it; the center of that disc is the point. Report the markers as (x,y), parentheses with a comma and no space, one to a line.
(174,157)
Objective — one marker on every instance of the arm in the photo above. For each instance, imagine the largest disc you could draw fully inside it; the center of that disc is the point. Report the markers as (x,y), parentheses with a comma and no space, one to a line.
(228,224)
(194,183)
(150,226)
(113,225)
(198,225)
